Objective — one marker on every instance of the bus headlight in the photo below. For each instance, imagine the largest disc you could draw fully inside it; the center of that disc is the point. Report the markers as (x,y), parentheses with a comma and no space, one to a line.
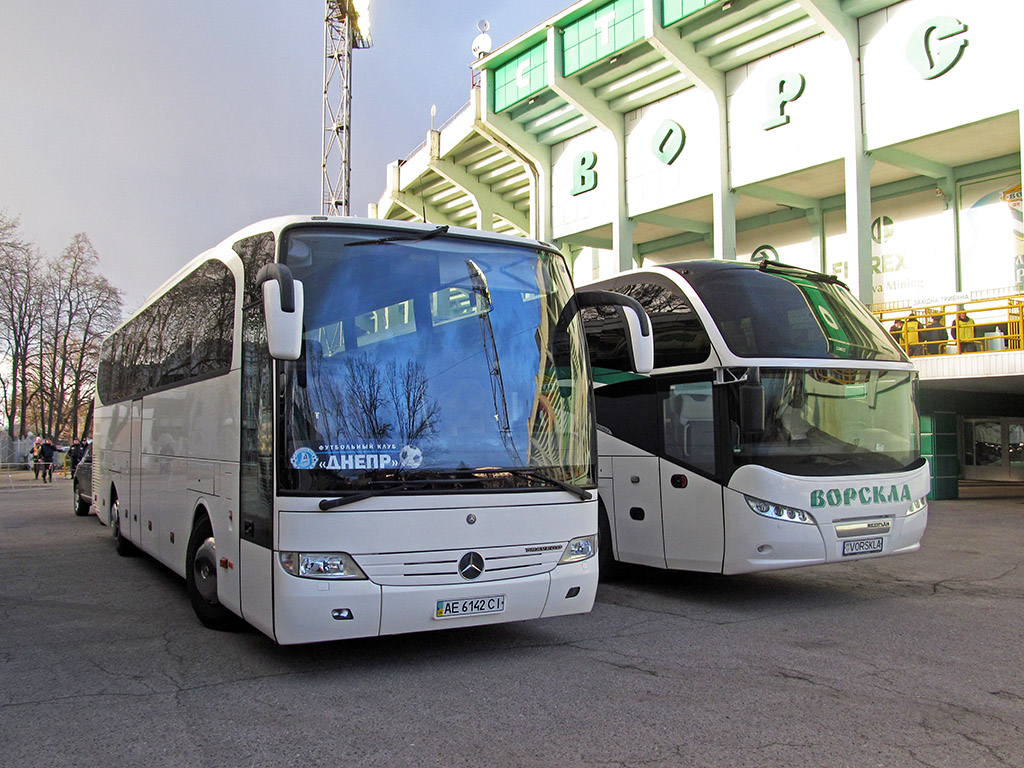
(917,506)
(778,512)
(582,548)
(321,565)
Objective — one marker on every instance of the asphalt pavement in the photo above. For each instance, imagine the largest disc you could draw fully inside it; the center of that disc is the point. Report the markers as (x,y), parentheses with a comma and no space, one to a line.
(906,661)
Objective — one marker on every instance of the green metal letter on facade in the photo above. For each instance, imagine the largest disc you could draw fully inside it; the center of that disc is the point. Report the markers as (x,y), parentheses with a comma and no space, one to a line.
(669,140)
(786,88)
(520,78)
(936,46)
(601,33)
(584,175)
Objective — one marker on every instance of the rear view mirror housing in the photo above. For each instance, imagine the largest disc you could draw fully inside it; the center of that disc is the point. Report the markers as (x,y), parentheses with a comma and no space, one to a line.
(282,308)
(638,325)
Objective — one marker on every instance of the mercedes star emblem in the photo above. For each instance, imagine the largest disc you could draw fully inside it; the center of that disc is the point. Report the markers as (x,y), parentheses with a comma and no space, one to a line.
(471,565)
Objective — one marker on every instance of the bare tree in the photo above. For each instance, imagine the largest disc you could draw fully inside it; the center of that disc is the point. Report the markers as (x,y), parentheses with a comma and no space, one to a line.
(416,413)
(53,315)
(80,308)
(363,400)
(20,301)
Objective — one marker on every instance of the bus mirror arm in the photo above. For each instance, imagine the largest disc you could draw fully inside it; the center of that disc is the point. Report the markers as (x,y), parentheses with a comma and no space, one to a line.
(752,403)
(638,324)
(282,307)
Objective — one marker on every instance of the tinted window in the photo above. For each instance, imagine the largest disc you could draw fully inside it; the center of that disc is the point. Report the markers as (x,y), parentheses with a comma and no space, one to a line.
(688,420)
(790,314)
(629,410)
(256,465)
(679,336)
(183,336)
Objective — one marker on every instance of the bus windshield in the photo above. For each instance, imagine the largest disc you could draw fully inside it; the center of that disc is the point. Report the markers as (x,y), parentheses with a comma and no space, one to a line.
(431,363)
(832,422)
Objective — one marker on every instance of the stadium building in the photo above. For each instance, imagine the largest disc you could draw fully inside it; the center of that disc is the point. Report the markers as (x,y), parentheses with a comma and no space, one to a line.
(875,140)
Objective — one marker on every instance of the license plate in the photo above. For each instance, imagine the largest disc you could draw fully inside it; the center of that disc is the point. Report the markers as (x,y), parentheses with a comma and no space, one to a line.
(469,606)
(862,546)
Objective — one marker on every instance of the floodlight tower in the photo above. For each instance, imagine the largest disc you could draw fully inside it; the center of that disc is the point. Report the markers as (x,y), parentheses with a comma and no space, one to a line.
(346,26)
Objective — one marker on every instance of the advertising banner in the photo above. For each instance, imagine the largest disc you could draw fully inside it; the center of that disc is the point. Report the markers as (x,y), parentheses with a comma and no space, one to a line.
(991,238)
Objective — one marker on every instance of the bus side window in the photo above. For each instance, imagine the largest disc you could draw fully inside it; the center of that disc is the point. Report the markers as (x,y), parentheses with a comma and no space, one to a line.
(689,425)
(628,410)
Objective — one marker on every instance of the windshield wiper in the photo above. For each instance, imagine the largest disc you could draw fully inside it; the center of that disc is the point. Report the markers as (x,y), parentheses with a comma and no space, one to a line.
(369,493)
(527,474)
(412,236)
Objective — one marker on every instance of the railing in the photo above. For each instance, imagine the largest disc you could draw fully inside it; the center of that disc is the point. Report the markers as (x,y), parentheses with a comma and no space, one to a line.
(998,325)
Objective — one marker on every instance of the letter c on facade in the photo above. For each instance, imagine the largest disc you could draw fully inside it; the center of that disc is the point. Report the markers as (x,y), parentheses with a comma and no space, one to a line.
(936,46)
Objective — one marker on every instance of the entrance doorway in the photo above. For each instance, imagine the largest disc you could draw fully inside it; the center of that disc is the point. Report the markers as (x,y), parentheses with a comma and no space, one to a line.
(993,449)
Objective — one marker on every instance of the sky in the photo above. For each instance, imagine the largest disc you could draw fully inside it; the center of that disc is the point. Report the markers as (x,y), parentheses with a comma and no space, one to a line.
(159,129)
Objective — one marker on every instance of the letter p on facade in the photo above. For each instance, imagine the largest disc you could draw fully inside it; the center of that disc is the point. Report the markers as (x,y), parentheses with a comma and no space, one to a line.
(786,88)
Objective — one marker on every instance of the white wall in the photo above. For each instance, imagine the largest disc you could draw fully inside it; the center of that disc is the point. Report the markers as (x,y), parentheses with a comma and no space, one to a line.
(901,104)
(652,184)
(818,128)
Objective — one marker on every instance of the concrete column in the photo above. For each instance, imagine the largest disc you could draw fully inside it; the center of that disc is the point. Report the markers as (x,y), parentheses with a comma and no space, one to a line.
(605,119)
(830,16)
(697,68)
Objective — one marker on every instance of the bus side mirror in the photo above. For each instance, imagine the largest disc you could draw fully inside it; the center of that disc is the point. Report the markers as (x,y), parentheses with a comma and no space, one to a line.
(752,404)
(640,339)
(282,308)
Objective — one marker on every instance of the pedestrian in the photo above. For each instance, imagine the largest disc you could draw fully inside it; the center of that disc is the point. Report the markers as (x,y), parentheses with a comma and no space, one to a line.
(35,456)
(896,330)
(912,335)
(46,454)
(935,333)
(75,454)
(963,332)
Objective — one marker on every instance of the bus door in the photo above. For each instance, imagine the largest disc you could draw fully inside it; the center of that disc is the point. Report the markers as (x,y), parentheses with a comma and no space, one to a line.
(691,500)
(135,474)
(628,414)
(636,489)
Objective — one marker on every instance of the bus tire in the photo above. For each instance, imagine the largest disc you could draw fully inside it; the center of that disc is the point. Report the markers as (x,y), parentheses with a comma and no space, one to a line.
(122,545)
(608,566)
(201,577)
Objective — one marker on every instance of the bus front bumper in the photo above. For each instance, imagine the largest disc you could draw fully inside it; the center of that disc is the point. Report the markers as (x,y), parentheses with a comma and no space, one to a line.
(314,610)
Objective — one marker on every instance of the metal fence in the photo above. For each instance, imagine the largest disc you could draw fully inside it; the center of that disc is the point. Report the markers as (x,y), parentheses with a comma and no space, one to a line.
(996,327)
(15,453)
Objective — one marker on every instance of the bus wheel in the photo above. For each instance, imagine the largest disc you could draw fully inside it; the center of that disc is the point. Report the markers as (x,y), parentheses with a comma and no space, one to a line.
(606,562)
(201,577)
(121,543)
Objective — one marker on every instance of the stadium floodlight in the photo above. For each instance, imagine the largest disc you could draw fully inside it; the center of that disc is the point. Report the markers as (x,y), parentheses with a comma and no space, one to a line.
(346,26)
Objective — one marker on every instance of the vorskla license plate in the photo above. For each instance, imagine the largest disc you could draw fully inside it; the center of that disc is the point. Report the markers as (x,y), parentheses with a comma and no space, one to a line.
(862,546)
(470,606)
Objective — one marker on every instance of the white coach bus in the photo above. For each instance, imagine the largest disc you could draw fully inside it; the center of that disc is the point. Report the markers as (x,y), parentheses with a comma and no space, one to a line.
(337,428)
(779,427)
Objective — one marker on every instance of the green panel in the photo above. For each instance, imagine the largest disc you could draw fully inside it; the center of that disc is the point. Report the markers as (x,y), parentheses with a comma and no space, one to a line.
(521,77)
(945,466)
(945,488)
(674,10)
(926,423)
(927,445)
(601,33)
(945,422)
(946,444)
